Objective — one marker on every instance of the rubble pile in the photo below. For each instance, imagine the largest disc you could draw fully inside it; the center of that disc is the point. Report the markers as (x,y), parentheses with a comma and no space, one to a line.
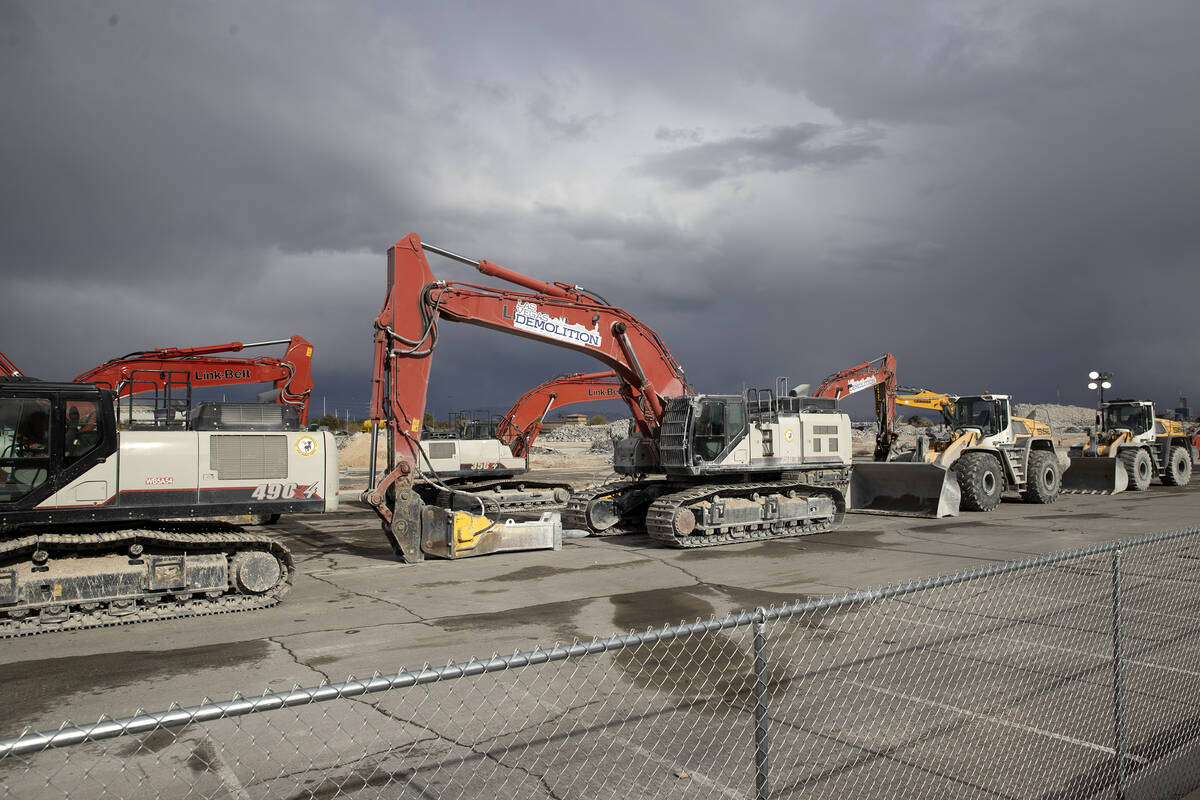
(1062,419)
(588,433)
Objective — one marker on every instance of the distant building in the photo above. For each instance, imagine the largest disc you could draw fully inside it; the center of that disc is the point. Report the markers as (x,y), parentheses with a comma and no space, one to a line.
(576,419)
(1183,412)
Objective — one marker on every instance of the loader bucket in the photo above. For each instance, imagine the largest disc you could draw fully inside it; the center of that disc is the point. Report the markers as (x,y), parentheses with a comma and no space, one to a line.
(903,489)
(1094,475)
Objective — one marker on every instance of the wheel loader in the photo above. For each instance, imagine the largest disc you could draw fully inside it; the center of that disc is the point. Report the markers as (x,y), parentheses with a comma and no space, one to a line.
(1129,448)
(986,452)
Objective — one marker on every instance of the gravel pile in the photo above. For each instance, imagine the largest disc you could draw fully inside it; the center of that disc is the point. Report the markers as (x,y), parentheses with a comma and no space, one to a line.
(1062,419)
(588,433)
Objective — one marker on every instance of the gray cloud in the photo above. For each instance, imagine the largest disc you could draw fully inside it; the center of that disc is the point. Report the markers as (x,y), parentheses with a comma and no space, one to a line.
(1000,193)
(776,149)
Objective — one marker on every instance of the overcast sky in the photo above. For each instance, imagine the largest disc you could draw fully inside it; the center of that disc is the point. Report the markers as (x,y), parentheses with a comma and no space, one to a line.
(1003,194)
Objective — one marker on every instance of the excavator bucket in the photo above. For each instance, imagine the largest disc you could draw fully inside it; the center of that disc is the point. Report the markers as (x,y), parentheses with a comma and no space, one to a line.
(903,489)
(1095,475)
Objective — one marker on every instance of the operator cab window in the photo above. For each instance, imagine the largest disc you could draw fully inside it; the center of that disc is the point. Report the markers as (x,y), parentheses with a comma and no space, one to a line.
(24,446)
(82,426)
(1131,417)
(717,424)
(979,413)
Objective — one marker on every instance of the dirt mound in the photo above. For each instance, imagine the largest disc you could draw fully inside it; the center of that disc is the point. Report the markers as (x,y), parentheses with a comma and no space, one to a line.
(356,451)
(1062,419)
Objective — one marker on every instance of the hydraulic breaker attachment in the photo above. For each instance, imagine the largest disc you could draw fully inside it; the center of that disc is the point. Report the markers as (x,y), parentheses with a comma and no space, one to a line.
(1095,475)
(903,489)
(458,534)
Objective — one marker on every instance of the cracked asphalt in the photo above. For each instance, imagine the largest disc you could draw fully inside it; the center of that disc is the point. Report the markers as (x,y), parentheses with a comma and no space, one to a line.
(355,611)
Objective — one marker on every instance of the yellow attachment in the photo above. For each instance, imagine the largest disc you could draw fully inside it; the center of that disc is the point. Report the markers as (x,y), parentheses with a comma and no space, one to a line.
(933,401)
(945,457)
(1107,443)
(468,529)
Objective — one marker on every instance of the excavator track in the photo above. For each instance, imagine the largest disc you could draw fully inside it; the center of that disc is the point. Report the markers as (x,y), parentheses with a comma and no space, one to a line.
(502,497)
(53,582)
(775,510)
(584,511)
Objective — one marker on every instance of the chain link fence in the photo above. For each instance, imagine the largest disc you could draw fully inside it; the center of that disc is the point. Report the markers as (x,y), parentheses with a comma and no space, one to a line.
(1073,675)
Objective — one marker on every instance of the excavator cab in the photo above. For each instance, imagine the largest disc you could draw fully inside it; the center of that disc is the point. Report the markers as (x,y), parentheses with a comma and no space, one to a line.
(719,421)
(50,434)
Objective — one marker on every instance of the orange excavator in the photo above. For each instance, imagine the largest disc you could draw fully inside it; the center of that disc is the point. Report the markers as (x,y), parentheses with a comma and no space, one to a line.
(879,374)
(727,468)
(170,371)
(519,427)
(483,463)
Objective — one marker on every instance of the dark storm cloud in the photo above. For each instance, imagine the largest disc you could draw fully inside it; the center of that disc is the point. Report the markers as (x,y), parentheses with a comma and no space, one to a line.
(777,149)
(167,132)
(1002,194)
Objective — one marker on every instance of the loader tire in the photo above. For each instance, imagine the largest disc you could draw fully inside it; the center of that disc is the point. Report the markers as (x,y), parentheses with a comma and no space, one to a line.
(1179,467)
(1043,479)
(981,481)
(1138,467)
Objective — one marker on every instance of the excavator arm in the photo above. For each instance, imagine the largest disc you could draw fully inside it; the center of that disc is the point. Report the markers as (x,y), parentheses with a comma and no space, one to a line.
(8,368)
(879,374)
(521,425)
(925,398)
(168,367)
(406,335)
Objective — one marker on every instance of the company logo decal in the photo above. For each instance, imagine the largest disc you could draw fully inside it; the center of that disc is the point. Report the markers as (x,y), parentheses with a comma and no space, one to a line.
(862,383)
(221,375)
(526,317)
(306,445)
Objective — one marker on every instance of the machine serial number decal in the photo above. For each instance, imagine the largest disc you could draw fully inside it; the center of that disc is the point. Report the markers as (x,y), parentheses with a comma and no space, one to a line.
(526,317)
(160,480)
(306,445)
(285,491)
(480,465)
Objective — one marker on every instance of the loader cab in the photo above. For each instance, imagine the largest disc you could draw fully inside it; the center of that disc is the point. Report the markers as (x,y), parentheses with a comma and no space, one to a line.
(987,413)
(50,434)
(1133,416)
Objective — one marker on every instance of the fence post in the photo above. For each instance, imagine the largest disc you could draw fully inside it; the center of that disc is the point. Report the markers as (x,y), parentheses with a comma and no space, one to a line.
(761,740)
(1118,681)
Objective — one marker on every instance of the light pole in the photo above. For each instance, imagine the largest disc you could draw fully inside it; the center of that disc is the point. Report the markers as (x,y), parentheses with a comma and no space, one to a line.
(1101,381)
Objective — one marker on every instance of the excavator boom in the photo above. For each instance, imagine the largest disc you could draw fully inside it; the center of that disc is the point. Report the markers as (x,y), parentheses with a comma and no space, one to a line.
(175,368)
(521,425)
(879,374)
(8,368)
(406,336)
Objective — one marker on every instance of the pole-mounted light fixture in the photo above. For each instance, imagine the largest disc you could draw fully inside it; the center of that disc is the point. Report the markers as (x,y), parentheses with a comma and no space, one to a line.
(1100,381)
